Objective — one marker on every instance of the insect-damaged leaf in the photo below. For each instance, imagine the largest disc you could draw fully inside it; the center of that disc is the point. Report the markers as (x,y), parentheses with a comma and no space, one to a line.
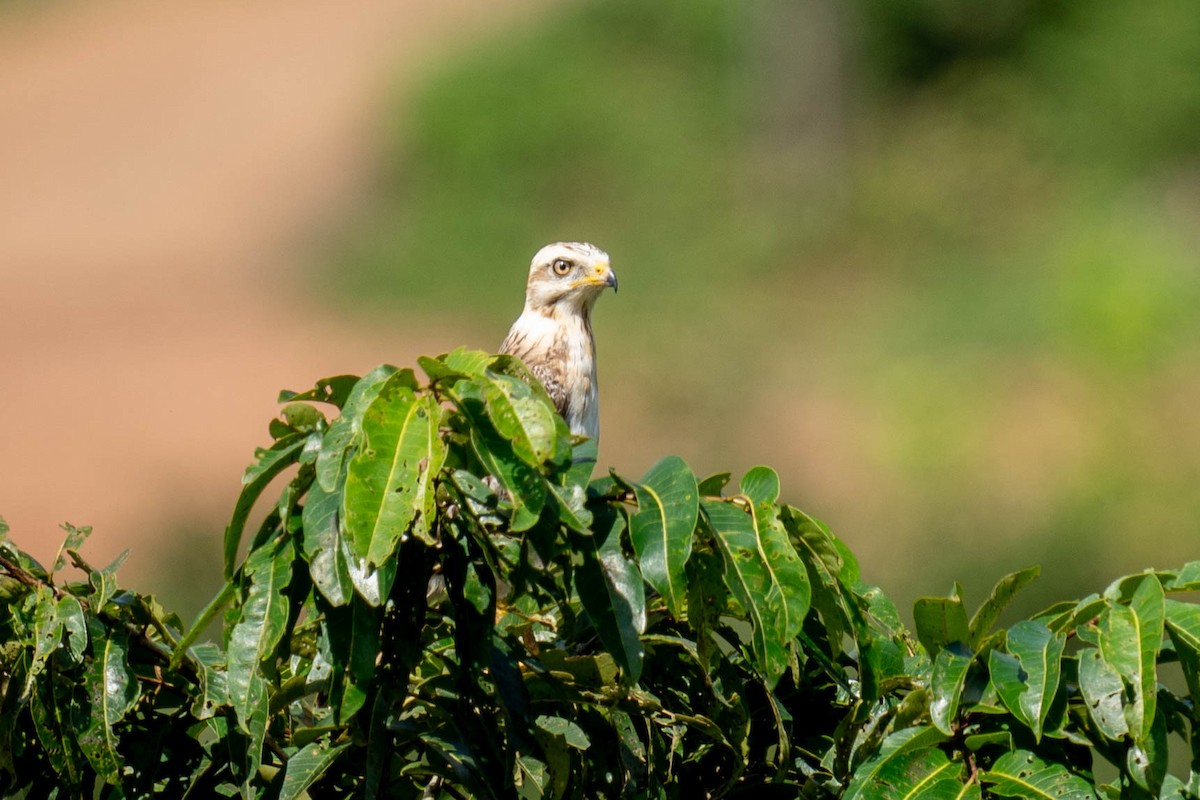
(946,685)
(789,590)
(1001,595)
(1130,637)
(344,431)
(390,480)
(264,616)
(323,545)
(1028,676)
(895,750)
(1020,773)
(112,691)
(661,530)
(521,416)
(305,767)
(751,582)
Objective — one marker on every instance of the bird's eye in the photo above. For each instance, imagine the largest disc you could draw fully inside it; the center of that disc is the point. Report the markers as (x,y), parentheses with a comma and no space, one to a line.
(561,266)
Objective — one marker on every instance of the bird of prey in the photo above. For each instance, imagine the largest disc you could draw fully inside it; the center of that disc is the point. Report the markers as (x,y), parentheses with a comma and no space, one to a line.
(553,335)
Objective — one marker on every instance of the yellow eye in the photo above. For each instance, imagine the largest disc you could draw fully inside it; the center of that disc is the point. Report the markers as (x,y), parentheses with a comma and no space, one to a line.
(561,266)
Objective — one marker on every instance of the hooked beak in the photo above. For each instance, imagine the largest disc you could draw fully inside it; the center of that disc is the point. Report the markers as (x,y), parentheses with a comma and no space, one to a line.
(606,276)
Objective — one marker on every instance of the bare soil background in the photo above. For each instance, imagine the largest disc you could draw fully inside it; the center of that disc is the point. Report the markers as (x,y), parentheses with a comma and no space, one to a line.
(162,169)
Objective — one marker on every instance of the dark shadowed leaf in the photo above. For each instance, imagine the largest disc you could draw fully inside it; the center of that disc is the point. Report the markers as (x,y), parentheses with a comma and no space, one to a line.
(661,530)
(612,592)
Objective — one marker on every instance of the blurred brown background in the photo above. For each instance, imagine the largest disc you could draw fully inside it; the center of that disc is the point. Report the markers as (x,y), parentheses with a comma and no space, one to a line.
(935,262)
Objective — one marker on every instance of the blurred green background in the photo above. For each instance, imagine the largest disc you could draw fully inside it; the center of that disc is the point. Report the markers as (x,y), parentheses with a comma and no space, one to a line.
(935,261)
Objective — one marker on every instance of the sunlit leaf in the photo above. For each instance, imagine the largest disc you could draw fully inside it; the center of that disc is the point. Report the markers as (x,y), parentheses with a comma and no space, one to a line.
(1001,595)
(1022,774)
(661,530)
(345,431)
(946,684)
(893,755)
(305,768)
(268,464)
(112,690)
(941,621)
(389,489)
(261,624)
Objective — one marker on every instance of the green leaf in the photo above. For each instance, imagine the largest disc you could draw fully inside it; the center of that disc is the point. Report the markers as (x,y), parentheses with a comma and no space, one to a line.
(344,432)
(612,592)
(389,482)
(52,707)
(70,614)
(926,774)
(941,621)
(1188,578)
(946,685)
(75,539)
(268,463)
(1028,685)
(323,545)
(47,628)
(1001,595)
(525,418)
(1102,691)
(335,391)
(1022,774)
(1183,622)
(894,751)
(572,734)
(112,690)
(261,625)
(752,583)
(351,636)
(305,767)
(789,590)
(661,530)
(1130,638)
(525,486)
(1146,758)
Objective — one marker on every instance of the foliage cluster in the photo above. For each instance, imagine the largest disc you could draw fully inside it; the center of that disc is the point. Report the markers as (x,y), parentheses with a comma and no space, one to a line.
(442,603)
(975,239)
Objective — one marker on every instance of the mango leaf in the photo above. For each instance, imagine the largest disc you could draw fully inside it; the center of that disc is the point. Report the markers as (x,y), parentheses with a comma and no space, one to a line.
(305,767)
(74,623)
(946,685)
(519,415)
(74,540)
(525,486)
(941,621)
(925,774)
(323,545)
(1022,774)
(893,751)
(345,431)
(1130,638)
(268,463)
(350,638)
(389,489)
(1102,691)
(789,589)
(1146,758)
(260,626)
(661,530)
(335,391)
(1183,621)
(51,709)
(1187,579)
(612,592)
(112,689)
(1001,595)
(751,582)
(1028,679)
(46,629)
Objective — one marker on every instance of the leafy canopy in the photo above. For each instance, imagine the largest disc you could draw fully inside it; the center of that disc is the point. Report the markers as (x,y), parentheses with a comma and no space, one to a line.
(442,603)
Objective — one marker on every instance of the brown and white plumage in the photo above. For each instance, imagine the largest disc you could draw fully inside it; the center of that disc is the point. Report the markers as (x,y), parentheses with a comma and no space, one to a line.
(553,335)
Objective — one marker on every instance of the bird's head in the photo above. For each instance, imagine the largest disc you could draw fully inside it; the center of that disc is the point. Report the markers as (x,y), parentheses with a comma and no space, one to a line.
(568,276)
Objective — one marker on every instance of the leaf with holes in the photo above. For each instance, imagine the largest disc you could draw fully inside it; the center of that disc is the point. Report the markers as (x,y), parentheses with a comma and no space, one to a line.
(661,530)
